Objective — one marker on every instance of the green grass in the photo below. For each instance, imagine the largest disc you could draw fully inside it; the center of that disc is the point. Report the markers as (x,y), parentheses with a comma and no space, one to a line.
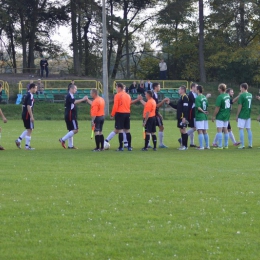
(76,204)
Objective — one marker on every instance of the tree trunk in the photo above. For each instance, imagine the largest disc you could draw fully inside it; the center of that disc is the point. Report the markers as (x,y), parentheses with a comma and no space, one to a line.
(110,38)
(126,40)
(118,57)
(87,61)
(201,42)
(74,38)
(23,34)
(80,40)
(12,47)
(242,23)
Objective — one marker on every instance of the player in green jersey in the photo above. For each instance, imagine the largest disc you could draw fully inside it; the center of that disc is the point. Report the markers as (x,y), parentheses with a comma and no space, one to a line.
(222,115)
(243,115)
(201,112)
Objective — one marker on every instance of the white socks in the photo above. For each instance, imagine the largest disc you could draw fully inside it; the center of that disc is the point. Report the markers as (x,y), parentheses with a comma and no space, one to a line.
(70,142)
(191,135)
(125,139)
(232,137)
(22,136)
(110,136)
(215,139)
(27,140)
(161,137)
(67,136)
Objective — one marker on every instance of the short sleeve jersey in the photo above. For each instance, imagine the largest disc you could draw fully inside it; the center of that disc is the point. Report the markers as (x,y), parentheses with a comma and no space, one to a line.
(201,102)
(98,107)
(150,106)
(28,101)
(70,108)
(155,97)
(245,99)
(223,102)
(122,103)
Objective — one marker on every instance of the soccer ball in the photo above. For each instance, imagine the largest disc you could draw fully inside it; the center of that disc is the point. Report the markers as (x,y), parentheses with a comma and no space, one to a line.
(106,145)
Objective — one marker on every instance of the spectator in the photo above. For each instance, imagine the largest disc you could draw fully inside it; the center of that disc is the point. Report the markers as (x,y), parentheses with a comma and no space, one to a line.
(44,66)
(133,88)
(31,82)
(1,91)
(70,84)
(40,87)
(163,69)
(148,85)
(141,88)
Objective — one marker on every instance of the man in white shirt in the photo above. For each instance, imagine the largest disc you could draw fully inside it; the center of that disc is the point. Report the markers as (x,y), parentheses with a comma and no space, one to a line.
(163,69)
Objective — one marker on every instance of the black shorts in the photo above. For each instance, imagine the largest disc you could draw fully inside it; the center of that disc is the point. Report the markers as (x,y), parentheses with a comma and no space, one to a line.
(28,124)
(180,124)
(99,121)
(72,124)
(122,121)
(150,126)
(229,126)
(159,121)
(191,123)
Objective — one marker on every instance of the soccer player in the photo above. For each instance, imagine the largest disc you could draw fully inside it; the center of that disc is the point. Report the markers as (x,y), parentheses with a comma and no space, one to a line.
(201,112)
(149,120)
(243,115)
(97,118)
(71,117)
(222,115)
(121,113)
(158,116)
(5,121)
(28,118)
(229,91)
(182,115)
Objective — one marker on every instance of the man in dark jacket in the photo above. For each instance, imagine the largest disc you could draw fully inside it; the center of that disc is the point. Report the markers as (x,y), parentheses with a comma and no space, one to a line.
(44,66)
(182,108)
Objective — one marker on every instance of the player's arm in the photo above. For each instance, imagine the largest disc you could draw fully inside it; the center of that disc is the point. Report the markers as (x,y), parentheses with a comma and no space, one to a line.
(142,102)
(115,107)
(162,102)
(139,98)
(146,118)
(80,100)
(29,109)
(172,105)
(2,115)
(185,108)
(235,99)
(238,111)
(89,101)
(215,113)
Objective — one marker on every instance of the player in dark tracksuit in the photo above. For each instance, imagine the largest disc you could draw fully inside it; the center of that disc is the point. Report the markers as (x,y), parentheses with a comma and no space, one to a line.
(182,116)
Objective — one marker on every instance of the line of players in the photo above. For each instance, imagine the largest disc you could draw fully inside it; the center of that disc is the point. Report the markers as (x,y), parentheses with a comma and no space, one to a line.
(191,111)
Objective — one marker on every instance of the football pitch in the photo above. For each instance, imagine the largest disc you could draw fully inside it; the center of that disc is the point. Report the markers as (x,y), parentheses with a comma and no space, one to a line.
(169,204)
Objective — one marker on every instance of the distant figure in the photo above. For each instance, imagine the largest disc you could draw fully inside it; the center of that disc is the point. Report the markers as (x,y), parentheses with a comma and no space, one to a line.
(40,87)
(148,85)
(133,88)
(44,66)
(163,69)
(141,88)
(1,91)
(28,86)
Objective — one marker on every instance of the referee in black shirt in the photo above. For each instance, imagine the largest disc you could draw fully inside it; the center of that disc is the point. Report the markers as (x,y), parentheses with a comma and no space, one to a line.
(182,115)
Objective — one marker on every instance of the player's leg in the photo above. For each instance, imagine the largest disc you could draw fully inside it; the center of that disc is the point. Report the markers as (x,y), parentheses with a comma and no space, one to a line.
(111,135)
(159,123)
(29,127)
(72,127)
(200,137)
(125,140)
(20,138)
(215,141)
(226,135)
(127,131)
(249,133)
(101,136)
(153,131)
(241,125)
(219,125)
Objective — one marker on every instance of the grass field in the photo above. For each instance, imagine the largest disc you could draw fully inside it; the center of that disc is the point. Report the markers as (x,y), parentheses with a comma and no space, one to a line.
(169,204)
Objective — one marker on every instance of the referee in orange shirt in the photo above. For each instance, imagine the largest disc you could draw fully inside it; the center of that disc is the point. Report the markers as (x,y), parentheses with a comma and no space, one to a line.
(149,121)
(97,118)
(121,113)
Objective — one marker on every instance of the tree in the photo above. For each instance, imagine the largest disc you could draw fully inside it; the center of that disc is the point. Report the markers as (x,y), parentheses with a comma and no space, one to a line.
(201,42)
